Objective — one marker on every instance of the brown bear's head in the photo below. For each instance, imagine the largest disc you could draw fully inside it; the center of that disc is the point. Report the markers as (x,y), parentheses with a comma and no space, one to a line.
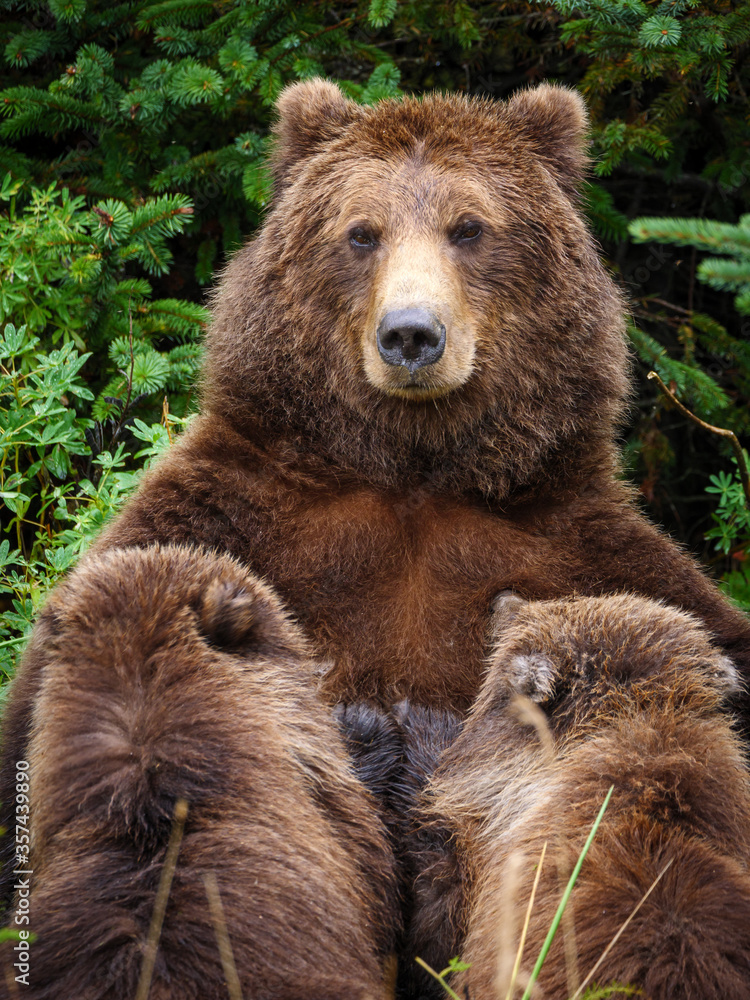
(424,297)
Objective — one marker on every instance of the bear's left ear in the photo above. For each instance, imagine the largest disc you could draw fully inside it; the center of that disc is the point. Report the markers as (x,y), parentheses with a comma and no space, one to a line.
(504,607)
(310,114)
(555,122)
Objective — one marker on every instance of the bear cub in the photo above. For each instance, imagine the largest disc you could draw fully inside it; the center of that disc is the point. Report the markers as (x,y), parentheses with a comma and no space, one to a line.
(155,684)
(631,695)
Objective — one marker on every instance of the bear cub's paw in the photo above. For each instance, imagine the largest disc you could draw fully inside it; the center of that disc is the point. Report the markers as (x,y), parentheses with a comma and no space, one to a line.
(427,732)
(395,753)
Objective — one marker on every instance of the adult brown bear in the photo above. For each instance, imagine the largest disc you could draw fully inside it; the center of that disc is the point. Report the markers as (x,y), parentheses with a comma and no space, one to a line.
(410,397)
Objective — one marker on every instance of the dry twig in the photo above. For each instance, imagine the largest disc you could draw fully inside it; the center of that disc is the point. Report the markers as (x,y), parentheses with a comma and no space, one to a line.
(721,431)
(162,895)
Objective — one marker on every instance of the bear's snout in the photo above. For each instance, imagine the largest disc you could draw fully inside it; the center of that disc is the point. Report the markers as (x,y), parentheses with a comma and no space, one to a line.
(414,338)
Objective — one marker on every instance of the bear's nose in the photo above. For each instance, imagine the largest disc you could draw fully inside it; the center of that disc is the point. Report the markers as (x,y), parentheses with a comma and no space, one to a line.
(411,337)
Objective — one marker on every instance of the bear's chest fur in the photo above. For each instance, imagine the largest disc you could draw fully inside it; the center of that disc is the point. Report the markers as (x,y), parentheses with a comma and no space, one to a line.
(393,586)
(396,590)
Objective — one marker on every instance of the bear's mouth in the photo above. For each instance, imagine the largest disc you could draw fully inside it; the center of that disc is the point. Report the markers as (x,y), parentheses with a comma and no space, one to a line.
(415,390)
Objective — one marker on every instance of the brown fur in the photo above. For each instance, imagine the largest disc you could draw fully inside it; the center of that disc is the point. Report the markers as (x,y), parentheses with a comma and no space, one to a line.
(386,511)
(157,684)
(632,692)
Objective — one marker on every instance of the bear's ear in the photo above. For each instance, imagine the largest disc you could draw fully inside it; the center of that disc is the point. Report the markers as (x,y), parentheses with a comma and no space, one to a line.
(504,607)
(533,675)
(310,114)
(725,677)
(555,122)
(236,620)
(230,618)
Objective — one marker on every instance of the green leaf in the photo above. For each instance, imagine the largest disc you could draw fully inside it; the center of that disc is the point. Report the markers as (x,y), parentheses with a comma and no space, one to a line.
(456,965)
(601,211)
(204,264)
(27,46)
(10,187)
(175,40)
(67,10)
(150,372)
(113,220)
(383,83)
(163,216)
(238,58)
(16,341)
(193,83)
(257,184)
(191,11)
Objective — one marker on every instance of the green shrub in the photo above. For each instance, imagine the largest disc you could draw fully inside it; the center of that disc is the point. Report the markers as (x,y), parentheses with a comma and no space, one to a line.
(54,504)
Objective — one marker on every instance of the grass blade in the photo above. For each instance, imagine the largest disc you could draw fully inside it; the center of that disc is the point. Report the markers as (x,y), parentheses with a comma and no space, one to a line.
(529,908)
(625,923)
(222,936)
(566,896)
(162,895)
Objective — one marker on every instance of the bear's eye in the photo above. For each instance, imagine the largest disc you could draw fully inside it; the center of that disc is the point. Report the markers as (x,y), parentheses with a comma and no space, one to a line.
(362,238)
(467,232)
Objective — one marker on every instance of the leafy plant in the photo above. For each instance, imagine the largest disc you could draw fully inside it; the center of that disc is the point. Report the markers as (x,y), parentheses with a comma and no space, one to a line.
(731,531)
(731,240)
(54,504)
(455,965)
(688,46)
(63,275)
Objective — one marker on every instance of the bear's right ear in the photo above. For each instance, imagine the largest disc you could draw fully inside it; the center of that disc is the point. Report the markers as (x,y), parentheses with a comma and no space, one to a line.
(245,621)
(532,675)
(310,114)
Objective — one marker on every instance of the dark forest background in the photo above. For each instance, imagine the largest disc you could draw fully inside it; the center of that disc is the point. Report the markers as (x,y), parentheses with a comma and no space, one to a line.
(132,143)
